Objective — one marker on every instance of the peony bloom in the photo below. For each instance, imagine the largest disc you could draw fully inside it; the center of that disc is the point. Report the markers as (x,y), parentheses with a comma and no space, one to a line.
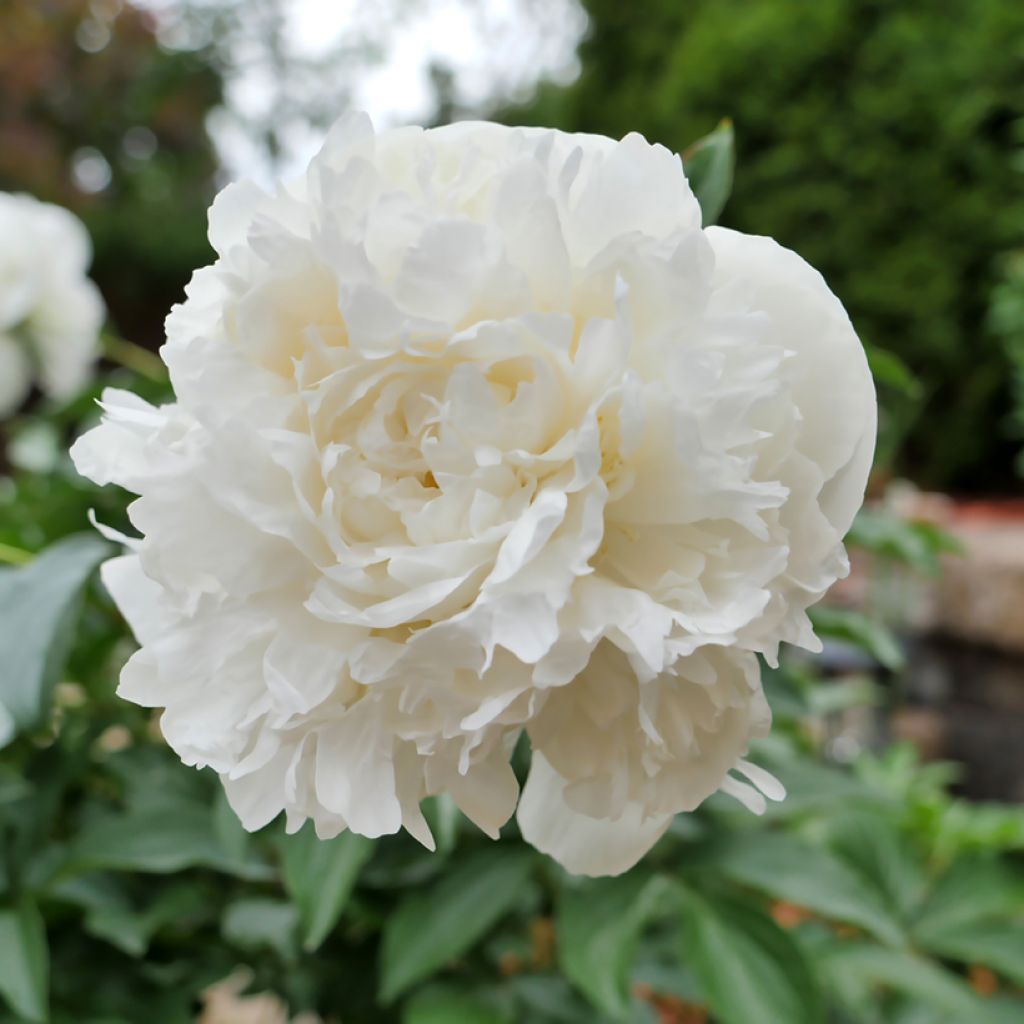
(477,431)
(50,312)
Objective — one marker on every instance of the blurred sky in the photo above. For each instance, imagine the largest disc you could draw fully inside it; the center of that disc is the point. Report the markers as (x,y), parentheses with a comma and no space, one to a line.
(493,47)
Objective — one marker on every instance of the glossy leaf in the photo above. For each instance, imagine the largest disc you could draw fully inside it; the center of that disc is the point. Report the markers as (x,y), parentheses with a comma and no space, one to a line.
(255,924)
(747,967)
(871,845)
(892,372)
(110,914)
(787,868)
(37,614)
(815,787)
(998,945)
(975,914)
(548,998)
(977,889)
(24,961)
(598,924)
(870,966)
(161,841)
(319,876)
(443,1004)
(862,631)
(916,544)
(432,927)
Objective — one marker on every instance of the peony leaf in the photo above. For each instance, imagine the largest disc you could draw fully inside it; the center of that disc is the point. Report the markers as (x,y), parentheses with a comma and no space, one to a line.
(256,924)
(24,961)
(161,840)
(547,997)
(811,786)
(862,965)
(976,889)
(709,165)
(858,629)
(319,876)
(443,1004)
(917,544)
(873,847)
(889,370)
(38,602)
(790,869)
(598,925)
(998,945)
(975,913)
(111,914)
(433,927)
(746,966)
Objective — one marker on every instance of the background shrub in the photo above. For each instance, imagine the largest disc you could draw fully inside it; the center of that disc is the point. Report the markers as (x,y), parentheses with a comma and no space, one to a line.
(881,141)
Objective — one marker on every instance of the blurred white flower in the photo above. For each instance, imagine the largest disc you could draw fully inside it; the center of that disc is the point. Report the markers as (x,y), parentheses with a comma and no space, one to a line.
(50,311)
(478,431)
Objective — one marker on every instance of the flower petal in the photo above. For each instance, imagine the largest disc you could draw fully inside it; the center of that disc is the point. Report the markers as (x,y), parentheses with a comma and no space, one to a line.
(581,844)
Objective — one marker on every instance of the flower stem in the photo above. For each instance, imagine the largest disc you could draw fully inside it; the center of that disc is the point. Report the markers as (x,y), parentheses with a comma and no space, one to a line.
(11,555)
(134,357)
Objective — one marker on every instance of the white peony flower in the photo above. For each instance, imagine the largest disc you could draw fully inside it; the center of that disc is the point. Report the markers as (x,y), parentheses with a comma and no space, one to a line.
(478,431)
(50,312)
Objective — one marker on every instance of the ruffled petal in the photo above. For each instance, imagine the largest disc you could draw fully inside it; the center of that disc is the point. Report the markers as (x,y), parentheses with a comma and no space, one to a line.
(581,844)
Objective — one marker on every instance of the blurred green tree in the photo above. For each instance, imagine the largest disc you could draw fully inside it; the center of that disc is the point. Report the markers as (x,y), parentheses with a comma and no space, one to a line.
(876,139)
(96,115)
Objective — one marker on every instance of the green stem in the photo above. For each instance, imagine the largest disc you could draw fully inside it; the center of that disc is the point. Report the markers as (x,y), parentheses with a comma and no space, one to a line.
(14,556)
(134,357)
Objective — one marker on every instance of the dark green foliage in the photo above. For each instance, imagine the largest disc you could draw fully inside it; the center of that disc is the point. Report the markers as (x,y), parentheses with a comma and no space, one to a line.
(879,140)
(38,602)
(1006,320)
(127,886)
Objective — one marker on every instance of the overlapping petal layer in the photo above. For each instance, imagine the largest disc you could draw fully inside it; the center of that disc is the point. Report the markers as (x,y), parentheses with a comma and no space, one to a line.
(477,431)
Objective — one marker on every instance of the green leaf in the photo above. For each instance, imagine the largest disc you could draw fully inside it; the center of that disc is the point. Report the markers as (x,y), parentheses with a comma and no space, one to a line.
(873,847)
(864,965)
(889,370)
(976,889)
(787,868)
(862,631)
(598,925)
(709,165)
(748,968)
(548,998)
(13,786)
(814,787)
(230,834)
(442,816)
(24,961)
(975,914)
(430,928)
(916,544)
(445,1004)
(838,695)
(254,924)
(162,840)
(319,875)
(995,944)
(38,602)
(112,916)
